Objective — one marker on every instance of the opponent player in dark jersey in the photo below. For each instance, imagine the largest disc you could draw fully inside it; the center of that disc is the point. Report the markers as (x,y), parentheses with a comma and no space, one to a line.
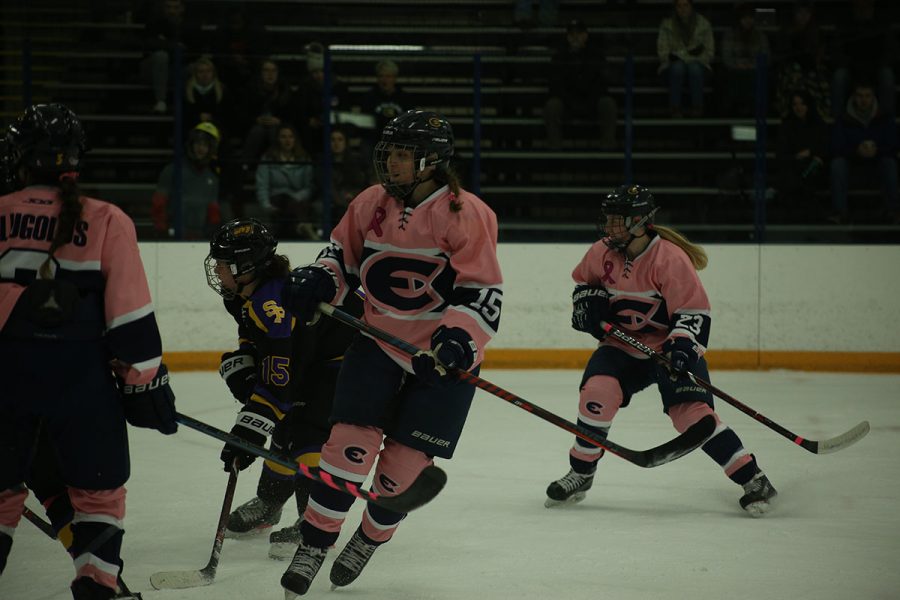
(283,372)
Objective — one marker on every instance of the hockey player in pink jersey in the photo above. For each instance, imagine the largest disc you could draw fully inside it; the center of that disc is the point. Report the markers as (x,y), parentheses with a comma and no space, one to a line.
(424,251)
(80,352)
(643,278)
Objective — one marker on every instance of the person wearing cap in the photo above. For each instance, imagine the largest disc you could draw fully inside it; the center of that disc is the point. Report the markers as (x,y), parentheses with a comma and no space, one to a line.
(309,103)
(685,47)
(200,208)
(578,87)
(385,100)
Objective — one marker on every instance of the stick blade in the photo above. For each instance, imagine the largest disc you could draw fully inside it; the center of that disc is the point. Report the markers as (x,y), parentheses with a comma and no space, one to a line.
(838,442)
(691,439)
(427,485)
(179,580)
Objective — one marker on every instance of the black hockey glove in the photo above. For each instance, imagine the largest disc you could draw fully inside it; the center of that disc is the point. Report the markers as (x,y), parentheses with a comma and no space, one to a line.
(151,405)
(305,288)
(244,459)
(683,356)
(238,369)
(590,307)
(451,348)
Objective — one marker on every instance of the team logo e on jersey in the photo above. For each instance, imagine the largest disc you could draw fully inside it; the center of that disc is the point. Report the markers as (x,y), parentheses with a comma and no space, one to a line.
(404,283)
(595,408)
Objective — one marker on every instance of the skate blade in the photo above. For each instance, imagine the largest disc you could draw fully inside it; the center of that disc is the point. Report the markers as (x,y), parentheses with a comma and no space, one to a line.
(241,535)
(573,499)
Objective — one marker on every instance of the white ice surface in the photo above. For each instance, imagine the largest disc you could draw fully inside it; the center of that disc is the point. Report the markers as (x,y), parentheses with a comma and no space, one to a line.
(671,532)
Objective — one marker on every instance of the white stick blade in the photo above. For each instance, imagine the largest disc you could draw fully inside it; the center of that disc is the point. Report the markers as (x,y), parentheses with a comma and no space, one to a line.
(179,580)
(845,439)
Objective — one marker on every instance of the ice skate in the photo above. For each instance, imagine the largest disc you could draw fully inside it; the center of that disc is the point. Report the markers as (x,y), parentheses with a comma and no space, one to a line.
(303,568)
(568,490)
(758,495)
(283,542)
(352,559)
(252,517)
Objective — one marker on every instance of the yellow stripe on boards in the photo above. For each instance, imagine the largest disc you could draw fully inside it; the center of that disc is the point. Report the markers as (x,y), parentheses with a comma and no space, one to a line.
(723,360)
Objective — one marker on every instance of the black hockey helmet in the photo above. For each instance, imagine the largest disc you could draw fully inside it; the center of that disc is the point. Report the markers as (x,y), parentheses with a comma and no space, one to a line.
(48,140)
(633,202)
(426,134)
(245,245)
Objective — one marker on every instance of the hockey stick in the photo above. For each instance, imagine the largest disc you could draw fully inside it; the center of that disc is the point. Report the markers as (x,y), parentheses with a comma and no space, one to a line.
(838,442)
(689,440)
(179,580)
(47,528)
(426,486)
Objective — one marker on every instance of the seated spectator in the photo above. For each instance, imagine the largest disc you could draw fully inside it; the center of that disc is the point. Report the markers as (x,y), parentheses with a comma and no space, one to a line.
(284,188)
(200,210)
(206,99)
(801,154)
(801,61)
(741,45)
(864,138)
(384,101)
(310,103)
(350,174)
(864,49)
(578,88)
(268,103)
(685,47)
(523,13)
(167,28)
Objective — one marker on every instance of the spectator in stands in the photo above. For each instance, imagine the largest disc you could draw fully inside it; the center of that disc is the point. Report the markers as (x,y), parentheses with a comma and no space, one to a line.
(741,45)
(200,209)
(269,103)
(238,39)
(310,102)
(523,13)
(578,87)
(864,138)
(864,49)
(206,99)
(384,101)
(801,61)
(168,28)
(350,173)
(801,154)
(685,47)
(285,188)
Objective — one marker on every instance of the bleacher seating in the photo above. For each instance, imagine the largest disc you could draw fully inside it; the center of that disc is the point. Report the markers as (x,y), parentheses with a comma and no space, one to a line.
(90,61)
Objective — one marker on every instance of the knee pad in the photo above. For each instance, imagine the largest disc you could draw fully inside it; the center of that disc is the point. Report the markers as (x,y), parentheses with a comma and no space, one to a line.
(600,399)
(686,414)
(351,451)
(398,466)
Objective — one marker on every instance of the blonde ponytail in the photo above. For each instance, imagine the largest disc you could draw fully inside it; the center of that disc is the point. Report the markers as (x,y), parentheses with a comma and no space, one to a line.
(696,253)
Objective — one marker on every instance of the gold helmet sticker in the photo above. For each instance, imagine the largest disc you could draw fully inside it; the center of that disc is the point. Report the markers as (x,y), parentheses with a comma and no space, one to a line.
(434,122)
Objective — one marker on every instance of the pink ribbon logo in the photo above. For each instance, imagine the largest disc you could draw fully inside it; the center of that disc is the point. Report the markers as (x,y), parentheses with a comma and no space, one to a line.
(377,220)
(607,272)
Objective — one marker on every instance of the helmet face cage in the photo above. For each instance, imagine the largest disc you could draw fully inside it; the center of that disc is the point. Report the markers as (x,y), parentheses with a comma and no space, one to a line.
(635,204)
(46,138)
(245,246)
(426,135)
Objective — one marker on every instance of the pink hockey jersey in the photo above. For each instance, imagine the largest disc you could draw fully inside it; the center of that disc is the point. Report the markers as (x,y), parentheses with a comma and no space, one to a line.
(653,297)
(420,267)
(102,260)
